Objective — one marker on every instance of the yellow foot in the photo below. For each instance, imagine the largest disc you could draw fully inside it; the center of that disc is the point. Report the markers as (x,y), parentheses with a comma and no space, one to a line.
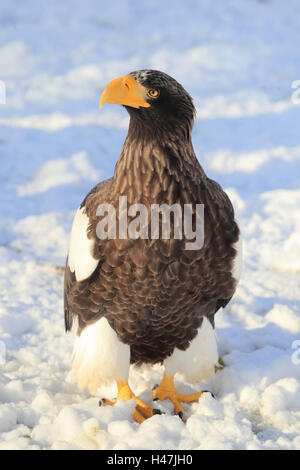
(166,390)
(142,410)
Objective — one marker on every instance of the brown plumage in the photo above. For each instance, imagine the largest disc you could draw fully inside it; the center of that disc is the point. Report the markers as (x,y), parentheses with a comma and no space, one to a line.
(154,293)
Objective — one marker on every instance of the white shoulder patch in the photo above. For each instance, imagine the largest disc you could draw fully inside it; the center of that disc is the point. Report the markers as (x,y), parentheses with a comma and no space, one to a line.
(238,260)
(80,259)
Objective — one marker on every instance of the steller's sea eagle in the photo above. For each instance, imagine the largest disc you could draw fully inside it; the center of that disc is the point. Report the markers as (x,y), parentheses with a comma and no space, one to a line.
(147,298)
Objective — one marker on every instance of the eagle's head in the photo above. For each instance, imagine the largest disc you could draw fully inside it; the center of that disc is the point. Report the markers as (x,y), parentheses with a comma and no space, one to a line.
(154,100)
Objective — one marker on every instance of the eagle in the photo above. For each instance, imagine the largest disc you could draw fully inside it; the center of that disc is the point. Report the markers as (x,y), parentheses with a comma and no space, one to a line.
(144,297)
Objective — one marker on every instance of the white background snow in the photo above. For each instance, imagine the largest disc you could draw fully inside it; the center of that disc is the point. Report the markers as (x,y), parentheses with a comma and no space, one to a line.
(238,59)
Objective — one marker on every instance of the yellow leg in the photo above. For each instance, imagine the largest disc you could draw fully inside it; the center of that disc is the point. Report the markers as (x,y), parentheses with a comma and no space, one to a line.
(142,410)
(166,390)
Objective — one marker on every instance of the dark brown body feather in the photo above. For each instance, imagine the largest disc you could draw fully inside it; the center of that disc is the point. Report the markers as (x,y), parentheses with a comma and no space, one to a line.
(154,293)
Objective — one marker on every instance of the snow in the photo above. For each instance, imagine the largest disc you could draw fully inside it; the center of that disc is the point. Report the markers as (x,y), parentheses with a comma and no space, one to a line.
(60,171)
(240,62)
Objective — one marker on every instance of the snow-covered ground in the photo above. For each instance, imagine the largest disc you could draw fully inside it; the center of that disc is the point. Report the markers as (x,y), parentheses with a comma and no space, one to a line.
(238,60)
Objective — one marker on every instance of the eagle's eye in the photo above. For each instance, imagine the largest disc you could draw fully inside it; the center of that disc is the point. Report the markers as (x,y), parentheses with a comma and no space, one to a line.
(153,93)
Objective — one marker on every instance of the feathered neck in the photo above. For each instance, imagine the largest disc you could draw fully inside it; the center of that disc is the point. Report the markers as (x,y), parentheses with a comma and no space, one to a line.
(157,165)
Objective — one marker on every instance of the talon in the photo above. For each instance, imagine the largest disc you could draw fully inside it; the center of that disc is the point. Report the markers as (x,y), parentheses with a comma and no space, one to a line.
(208,391)
(142,410)
(106,401)
(167,391)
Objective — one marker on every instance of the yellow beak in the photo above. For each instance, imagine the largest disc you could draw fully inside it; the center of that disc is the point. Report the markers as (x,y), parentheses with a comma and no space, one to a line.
(126,91)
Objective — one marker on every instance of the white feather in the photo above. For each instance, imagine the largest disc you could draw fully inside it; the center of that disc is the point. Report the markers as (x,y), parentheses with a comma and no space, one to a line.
(99,357)
(238,260)
(80,258)
(198,361)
